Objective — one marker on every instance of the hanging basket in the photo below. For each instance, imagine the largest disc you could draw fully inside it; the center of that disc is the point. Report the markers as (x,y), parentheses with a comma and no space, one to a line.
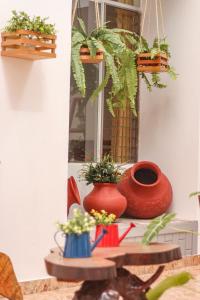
(146,64)
(86,58)
(27,44)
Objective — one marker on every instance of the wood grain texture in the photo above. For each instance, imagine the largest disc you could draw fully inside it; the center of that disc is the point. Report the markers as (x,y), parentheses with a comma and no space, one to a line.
(147,64)
(29,45)
(105,261)
(9,286)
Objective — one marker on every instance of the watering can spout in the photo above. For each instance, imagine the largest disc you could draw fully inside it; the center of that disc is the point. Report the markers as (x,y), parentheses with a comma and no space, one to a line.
(126,232)
(100,237)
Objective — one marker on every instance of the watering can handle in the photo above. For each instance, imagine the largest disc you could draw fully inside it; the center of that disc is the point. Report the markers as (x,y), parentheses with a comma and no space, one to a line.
(55,239)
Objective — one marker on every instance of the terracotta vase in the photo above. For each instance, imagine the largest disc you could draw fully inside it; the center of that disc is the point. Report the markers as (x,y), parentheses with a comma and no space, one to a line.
(105,196)
(147,190)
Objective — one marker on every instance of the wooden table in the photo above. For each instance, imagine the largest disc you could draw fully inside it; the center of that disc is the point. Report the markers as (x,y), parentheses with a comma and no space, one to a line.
(103,274)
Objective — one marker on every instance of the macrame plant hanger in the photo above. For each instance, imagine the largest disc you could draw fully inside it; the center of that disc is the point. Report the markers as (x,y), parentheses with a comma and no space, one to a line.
(85,56)
(145,62)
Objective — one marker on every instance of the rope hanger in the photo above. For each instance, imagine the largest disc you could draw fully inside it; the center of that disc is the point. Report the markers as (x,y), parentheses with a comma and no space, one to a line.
(159,10)
(97,12)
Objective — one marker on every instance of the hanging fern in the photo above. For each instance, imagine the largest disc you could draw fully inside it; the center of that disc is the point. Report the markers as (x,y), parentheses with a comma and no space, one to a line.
(159,46)
(120,64)
(156,226)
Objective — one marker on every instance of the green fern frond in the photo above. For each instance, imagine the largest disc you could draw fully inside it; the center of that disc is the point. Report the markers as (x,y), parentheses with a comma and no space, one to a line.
(82,26)
(78,70)
(172,73)
(112,68)
(156,81)
(101,86)
(154,52)
(110,107)
(92,47)
(77,38)
(147,82)
(156,226)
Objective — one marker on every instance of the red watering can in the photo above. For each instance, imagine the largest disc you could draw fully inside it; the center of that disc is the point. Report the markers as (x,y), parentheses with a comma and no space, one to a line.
(111,239)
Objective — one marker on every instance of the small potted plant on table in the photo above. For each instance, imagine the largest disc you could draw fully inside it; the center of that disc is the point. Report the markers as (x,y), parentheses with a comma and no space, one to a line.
(105,195)
(77,235)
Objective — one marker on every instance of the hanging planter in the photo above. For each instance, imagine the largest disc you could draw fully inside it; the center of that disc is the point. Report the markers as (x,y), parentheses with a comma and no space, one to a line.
(28,38)
(147,64)
(113,46)
(87,58)
(153,59)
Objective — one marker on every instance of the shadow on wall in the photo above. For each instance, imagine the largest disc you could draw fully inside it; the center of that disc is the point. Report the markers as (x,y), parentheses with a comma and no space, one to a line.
(24,84)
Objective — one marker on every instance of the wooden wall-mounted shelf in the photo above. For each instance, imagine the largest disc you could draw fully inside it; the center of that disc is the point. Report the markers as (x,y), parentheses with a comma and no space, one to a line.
(29,45)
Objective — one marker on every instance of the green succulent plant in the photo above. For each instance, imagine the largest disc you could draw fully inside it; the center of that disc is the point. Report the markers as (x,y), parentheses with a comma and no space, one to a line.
(104,171)
(120,67)
(22,21)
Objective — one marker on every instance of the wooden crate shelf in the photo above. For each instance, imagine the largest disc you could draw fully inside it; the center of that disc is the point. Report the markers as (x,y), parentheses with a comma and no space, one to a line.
(148,65)
(26,44)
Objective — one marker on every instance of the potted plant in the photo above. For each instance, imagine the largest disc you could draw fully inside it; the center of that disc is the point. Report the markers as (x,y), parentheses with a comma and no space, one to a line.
(105,196)
(77,235)
(28,38)
(153,60)
(112,45)
(106,221)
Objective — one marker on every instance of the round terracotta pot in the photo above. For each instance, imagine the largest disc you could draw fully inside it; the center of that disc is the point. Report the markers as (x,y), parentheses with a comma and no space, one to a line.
(147,190)
(105,196)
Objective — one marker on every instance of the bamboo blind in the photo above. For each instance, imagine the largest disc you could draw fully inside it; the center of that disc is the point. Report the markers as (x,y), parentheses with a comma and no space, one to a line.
(124,126)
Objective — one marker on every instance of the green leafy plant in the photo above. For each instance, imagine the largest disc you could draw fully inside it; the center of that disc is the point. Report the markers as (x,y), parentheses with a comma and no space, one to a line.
(81,222)
(102,217)
(120,67)
(22,21)
(159,46)
(104,171)
(172,281)
(193,194)
(155,226)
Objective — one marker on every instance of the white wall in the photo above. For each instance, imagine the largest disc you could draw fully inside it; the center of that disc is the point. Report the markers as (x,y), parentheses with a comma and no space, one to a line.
(34,143)
(169,128)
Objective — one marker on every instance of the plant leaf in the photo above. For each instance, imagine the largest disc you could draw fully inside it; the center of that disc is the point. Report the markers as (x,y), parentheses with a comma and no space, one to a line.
(193,194)
(156,226)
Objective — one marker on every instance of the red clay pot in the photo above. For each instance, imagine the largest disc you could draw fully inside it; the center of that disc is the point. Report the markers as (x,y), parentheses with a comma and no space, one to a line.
(72,193)
(147,190)
(107,197)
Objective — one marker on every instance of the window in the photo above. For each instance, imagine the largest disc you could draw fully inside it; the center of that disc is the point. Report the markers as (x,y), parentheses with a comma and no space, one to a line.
(92,130)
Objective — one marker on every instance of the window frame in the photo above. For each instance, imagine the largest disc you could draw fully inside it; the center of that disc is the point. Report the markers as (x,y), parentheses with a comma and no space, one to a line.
(100,101)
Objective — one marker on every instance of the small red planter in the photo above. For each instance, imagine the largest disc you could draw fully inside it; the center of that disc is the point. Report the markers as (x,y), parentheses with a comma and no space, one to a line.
(111,239)
(147,190)
(105,196)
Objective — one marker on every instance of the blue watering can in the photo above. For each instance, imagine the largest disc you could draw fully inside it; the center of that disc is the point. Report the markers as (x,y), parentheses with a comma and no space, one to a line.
(78,245)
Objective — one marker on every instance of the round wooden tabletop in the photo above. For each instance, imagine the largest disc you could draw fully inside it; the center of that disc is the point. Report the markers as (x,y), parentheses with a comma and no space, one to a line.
(104,261)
